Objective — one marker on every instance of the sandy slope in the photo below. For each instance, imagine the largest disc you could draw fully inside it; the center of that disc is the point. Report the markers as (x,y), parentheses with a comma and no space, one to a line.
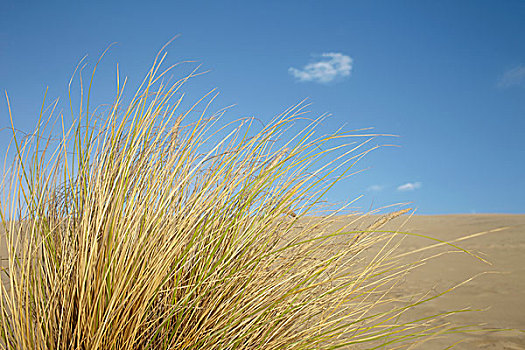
(501,292)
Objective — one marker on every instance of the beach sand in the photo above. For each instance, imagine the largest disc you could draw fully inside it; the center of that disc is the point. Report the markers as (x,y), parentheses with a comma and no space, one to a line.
(498,289)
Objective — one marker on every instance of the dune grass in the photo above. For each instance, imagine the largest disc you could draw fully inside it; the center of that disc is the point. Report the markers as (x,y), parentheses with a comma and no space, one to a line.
(140,228)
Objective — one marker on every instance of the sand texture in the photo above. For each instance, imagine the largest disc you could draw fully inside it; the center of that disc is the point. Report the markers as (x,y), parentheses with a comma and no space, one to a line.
(499,290)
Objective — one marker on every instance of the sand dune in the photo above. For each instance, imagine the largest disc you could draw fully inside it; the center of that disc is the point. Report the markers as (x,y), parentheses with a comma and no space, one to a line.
(498,289)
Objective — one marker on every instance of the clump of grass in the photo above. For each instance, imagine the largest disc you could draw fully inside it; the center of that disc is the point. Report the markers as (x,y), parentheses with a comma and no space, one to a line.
(142,229)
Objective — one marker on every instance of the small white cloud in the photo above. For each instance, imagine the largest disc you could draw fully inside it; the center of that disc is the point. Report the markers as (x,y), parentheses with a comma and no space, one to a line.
(410,186)
(375,188)
(515,76)
(331,66)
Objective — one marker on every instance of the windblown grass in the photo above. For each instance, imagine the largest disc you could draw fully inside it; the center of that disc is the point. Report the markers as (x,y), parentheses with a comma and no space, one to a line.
(140,229)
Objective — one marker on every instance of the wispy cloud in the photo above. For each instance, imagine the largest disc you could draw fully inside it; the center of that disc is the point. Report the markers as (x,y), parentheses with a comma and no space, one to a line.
(331,66)
(514,76)
(410,186)
(375,188)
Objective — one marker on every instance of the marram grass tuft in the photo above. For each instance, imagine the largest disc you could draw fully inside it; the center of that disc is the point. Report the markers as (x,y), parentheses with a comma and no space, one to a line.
(142,228)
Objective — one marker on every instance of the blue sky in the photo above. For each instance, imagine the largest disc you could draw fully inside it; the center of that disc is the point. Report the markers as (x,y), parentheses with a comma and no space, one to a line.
(447,76)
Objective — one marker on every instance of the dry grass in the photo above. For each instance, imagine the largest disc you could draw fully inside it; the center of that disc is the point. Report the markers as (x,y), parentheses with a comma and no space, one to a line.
(142,230)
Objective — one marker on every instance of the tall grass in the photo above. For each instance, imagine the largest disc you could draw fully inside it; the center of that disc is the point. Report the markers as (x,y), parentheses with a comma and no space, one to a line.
(143,229)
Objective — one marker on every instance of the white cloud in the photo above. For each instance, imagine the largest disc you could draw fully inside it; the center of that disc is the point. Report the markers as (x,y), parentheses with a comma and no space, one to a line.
(375,188)
(514,76)
(410,186)
(331,66)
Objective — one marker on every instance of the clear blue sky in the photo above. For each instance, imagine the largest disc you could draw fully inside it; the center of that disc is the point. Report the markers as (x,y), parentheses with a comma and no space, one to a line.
(447,76)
